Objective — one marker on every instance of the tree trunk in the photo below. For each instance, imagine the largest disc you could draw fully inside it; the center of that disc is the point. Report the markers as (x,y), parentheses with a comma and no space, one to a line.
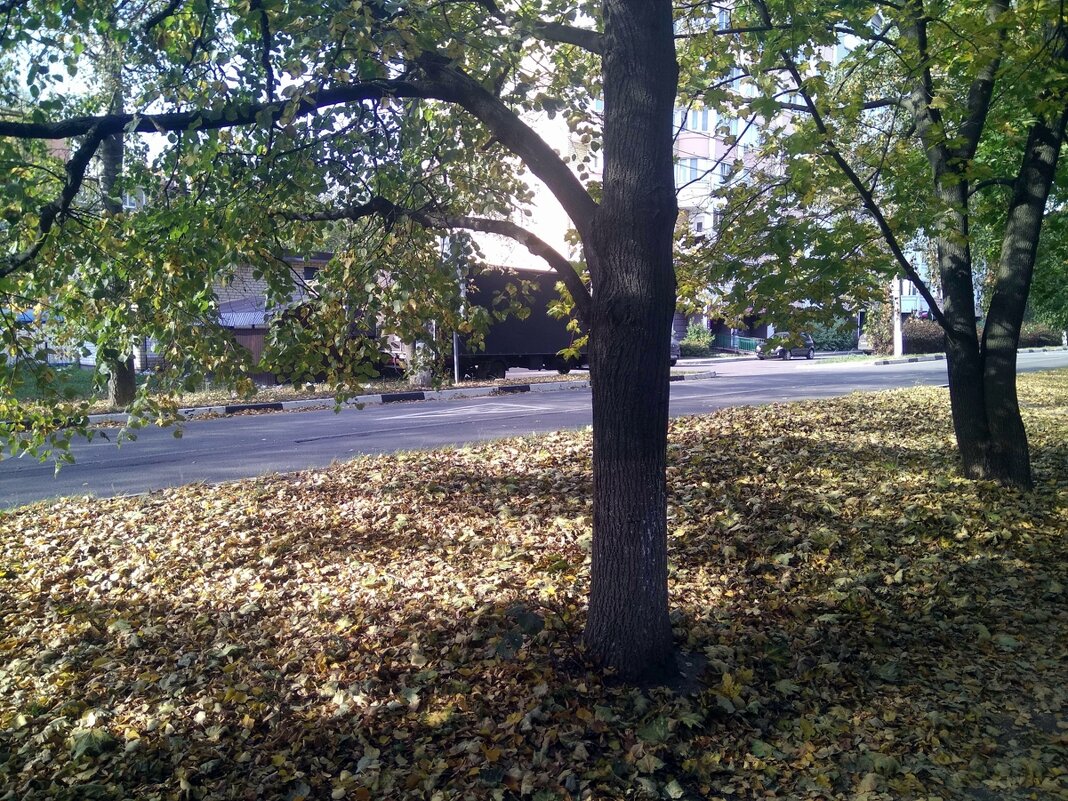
(963,357)
(1010,456)
(630,258)
(122,382)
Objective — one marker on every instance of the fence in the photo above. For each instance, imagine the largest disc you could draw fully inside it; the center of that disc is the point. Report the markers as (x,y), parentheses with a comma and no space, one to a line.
(738,343)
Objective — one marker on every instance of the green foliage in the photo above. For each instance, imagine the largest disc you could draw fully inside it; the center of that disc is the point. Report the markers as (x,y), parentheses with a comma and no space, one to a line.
(697,342)
(879,325)
(690,349)
(923,336)
(222,205)
(832,582)
(838,335)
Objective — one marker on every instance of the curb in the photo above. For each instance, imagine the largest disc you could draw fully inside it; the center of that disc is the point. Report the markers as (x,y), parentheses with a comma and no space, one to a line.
(939,357)
(360,401)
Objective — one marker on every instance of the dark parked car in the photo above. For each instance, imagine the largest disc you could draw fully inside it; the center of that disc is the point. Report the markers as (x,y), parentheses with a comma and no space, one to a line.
(785,346)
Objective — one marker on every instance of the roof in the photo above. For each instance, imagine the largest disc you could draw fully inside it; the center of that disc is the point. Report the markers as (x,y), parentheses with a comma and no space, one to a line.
(244,313)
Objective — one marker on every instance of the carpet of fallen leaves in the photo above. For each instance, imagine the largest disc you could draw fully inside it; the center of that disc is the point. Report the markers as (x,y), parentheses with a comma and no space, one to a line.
(871,626)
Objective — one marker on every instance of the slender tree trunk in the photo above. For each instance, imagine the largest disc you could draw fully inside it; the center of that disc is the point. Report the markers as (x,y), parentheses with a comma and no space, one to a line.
(963,357)
(630,256)
(122,380)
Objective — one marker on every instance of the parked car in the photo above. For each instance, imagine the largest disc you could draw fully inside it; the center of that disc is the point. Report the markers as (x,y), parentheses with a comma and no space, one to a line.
(676,349)
(783,345)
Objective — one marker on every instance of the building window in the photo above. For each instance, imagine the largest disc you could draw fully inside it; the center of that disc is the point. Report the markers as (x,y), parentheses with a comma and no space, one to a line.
(310,273)
(695,169)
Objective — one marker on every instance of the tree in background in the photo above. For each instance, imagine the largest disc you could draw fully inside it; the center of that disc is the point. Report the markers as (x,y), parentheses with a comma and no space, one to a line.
(885,124)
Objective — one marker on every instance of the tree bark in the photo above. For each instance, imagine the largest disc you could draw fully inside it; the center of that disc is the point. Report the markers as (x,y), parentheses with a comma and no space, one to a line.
(630,256)
(963,357)
(1010,457)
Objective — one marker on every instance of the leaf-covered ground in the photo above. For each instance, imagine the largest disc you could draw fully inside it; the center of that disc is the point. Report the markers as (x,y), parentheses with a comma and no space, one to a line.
(407,627)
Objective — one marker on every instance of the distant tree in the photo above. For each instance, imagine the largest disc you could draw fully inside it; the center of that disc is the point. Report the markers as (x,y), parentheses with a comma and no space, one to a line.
(895,123)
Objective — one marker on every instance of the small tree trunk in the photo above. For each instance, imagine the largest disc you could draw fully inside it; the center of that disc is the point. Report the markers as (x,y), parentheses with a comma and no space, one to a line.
(628,628)
(122,383)
(963,357)
(967,403)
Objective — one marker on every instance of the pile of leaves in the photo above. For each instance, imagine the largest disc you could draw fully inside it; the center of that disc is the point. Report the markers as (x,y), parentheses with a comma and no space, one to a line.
(868,625)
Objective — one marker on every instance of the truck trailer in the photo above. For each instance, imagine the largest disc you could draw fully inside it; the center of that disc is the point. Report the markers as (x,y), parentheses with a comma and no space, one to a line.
(533,341)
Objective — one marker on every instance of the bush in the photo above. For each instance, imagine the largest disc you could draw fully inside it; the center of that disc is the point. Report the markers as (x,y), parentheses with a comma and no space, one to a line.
(698,341)
(689,348)
(841,335)
(1037,335)
(923,336)
(699,334)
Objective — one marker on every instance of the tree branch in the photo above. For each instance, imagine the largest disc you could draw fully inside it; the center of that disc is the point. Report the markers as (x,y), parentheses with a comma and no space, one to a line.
(871,105)
(391,213)
(591,41)
(982,88)
(75,170)
(161,15)
(443,81)
(265,50)
(989,182)
(227,116)
(447,82)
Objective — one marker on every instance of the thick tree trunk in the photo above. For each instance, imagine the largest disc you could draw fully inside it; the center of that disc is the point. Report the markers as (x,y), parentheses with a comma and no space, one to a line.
(122,382)
(1010,456)
(630,256)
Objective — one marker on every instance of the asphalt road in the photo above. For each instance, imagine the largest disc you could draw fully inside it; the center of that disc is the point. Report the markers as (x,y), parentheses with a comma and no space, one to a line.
(242,446)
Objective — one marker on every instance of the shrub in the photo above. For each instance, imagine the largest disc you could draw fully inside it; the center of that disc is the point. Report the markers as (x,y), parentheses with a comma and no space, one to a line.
(923,336)
(698,341)
(690,349)
(1037,335)
(698,334)
(840,335)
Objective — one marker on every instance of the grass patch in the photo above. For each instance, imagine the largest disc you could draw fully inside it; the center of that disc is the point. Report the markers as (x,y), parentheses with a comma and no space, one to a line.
(70,381)
(406,626)
(852,357)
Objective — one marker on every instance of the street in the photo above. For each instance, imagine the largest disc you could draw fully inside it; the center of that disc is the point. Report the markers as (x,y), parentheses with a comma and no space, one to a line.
(242,446)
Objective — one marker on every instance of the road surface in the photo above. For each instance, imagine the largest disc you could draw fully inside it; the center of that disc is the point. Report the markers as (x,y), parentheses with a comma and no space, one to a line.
(242,446)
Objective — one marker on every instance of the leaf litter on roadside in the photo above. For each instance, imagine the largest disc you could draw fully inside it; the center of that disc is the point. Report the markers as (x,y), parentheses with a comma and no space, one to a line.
(874,627)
